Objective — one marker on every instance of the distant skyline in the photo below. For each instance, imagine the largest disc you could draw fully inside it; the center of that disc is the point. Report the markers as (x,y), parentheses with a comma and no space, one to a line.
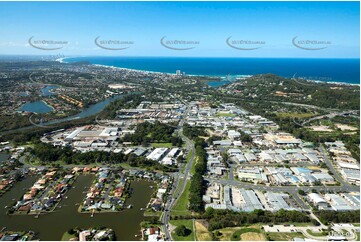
(212,29)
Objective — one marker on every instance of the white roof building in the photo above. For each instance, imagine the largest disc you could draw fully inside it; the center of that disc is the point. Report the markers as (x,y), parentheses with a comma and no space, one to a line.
(317,199)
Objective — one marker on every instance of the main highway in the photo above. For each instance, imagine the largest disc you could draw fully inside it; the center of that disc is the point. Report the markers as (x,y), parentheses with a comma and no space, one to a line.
(180,184)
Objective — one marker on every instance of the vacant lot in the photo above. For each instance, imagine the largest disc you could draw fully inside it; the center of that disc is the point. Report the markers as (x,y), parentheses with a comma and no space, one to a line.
(252,233)
(202,232)
(284,236)
(248,234)
(188,224)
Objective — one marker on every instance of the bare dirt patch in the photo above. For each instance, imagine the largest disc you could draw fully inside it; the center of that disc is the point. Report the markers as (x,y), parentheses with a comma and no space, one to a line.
(321,128)
(251,236)
(202,232)
(344,127)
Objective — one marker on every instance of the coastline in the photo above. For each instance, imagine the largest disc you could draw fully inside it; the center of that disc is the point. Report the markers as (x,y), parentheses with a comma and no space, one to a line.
(62,60)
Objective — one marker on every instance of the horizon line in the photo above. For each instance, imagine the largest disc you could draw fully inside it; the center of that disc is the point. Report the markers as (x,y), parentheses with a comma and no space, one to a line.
(248,57)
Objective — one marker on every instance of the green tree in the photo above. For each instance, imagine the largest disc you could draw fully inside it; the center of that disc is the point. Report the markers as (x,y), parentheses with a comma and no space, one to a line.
(182,230)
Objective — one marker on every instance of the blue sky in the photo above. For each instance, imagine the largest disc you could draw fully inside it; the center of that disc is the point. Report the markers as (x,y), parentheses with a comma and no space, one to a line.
(275,24)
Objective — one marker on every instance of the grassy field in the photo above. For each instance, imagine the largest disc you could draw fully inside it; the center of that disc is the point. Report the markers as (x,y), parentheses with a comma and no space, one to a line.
(321,234)
(188,224)
(226,115)
(151,213)
(283,236)
(161,145)
(202,233)
(252,233)
(180,208)
(295,115)
(248,234)
(66,236)
(193,168)
(226,233)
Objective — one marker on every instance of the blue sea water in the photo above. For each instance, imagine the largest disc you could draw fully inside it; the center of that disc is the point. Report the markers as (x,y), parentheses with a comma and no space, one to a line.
(330,70)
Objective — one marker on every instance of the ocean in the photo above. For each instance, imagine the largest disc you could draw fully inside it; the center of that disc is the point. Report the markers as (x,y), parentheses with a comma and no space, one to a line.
(329,70)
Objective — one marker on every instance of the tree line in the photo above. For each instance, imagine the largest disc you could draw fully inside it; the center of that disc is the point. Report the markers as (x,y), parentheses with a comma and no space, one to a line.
(147,132)
(48,154)
(327,216)
(198,186)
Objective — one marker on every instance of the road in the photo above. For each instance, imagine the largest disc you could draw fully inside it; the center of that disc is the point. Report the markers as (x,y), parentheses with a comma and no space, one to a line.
(351,235)
(289,103)
(332,168)
(179,183)
(328,116)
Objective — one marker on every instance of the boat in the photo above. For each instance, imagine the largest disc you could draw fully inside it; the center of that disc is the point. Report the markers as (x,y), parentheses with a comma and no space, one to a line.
(130,206)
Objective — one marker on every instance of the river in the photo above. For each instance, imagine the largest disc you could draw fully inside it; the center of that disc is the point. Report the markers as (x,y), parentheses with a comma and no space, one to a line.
(91,110)
(126,223)
(4,157)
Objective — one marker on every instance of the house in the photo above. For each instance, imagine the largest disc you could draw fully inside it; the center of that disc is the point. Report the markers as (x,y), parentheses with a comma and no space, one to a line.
(84,234)
(250,157)
(152,230)
(233,152)
(157,204)
(232,134)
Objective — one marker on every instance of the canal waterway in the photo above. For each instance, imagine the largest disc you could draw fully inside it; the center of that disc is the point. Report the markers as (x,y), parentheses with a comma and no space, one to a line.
(126,223)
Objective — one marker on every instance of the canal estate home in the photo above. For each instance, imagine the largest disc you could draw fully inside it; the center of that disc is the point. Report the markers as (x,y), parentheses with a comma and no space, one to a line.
(153,234)
(157,203)
(107,192)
